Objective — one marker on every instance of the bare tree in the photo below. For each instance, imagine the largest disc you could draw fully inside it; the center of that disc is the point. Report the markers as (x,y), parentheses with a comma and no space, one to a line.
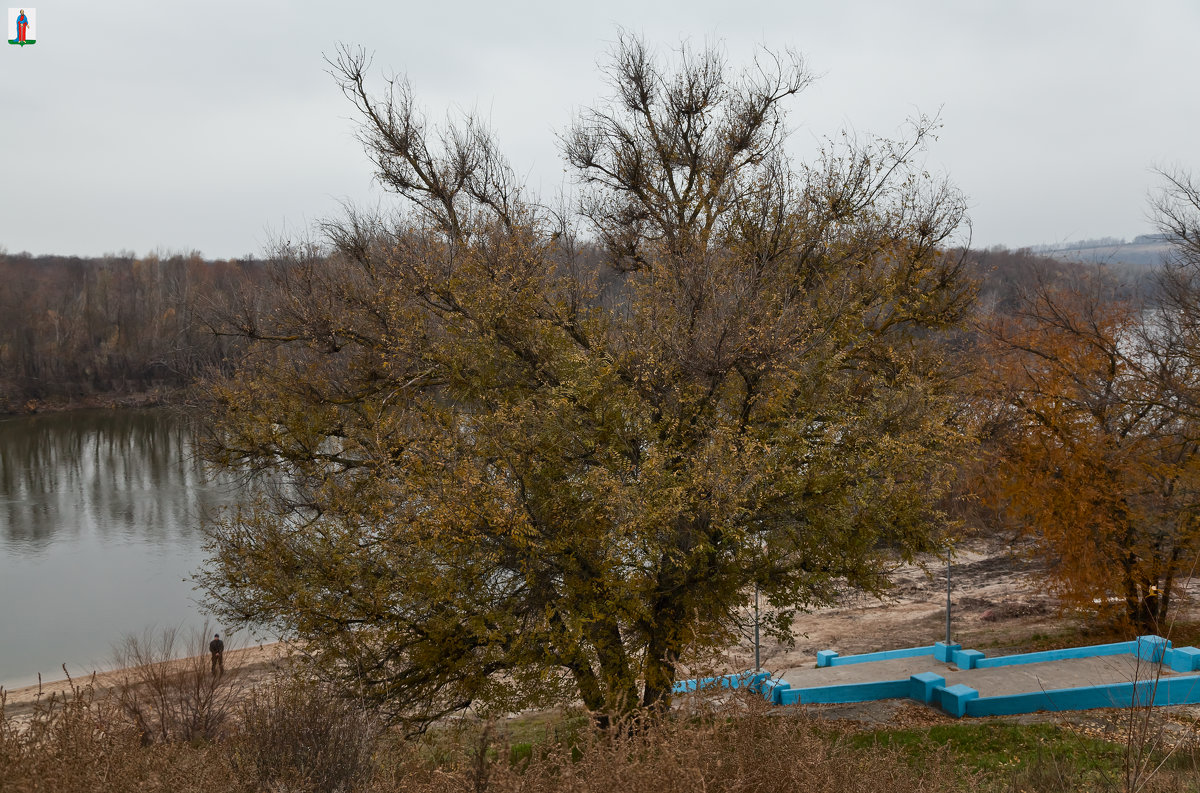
(1174,331)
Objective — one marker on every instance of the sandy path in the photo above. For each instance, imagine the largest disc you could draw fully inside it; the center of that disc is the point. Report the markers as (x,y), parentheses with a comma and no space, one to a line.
(996,596)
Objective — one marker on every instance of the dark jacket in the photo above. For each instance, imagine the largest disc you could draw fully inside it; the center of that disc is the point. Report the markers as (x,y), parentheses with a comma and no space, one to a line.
(216,646)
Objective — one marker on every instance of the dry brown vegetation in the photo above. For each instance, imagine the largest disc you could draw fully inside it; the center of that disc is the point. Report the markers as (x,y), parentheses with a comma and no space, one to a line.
(173,696)
(296,737)
(289,734)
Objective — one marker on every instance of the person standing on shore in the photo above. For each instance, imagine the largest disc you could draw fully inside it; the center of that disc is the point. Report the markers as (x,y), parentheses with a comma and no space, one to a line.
(217,648)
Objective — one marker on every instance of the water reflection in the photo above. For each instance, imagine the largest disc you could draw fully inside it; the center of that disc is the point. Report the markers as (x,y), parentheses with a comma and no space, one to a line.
(127,474)
(99,534)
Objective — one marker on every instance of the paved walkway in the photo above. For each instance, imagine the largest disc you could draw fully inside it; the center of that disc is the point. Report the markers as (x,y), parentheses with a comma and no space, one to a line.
(997,681)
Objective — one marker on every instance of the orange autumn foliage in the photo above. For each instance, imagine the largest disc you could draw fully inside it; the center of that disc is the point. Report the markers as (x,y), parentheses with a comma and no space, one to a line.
(1087,455)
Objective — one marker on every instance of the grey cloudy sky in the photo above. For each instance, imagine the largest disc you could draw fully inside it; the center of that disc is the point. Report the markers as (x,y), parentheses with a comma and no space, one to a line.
(213,126)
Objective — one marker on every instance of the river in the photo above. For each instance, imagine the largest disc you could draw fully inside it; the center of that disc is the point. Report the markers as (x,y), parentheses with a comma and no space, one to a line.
(100,515)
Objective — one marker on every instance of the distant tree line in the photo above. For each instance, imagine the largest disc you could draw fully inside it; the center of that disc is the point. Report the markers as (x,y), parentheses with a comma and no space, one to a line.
(1005,276)
(77,329)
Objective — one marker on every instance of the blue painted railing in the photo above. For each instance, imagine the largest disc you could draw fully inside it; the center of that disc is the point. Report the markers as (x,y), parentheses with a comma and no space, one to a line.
(848,692)
(831,658)
(1181,690)
(962,700)
(749,680)
(1117,648)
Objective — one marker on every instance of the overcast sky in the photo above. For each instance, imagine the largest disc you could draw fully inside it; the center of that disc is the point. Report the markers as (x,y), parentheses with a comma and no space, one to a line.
(214,126)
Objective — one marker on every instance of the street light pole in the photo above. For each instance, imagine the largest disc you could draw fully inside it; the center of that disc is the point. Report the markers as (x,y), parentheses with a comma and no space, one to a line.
(757,657)
(947,597)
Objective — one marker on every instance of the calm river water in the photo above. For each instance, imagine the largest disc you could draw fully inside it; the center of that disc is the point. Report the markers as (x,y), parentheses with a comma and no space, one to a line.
(99,535)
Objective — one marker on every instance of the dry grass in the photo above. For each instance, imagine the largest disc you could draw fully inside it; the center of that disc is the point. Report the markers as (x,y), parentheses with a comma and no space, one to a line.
(296,736)
(77,744)
(744,747)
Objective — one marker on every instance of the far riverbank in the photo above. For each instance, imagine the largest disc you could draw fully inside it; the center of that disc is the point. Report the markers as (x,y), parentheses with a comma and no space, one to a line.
(158,397)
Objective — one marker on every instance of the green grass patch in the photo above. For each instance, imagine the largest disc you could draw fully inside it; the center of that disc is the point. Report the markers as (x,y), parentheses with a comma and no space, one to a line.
(1003,749)
(519,754)
(534,728)
(1184,634)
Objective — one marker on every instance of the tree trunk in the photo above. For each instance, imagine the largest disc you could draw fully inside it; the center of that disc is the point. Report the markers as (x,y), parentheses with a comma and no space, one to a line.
(660,674)
(620,691)
(585,677)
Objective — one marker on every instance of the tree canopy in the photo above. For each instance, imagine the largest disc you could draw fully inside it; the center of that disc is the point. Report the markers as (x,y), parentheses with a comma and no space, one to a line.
(524,454)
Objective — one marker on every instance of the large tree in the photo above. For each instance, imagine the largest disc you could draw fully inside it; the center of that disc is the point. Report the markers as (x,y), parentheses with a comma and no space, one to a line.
(525,456)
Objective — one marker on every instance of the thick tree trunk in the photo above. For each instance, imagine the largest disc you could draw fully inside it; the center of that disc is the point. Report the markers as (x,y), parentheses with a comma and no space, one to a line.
(617,680)
(1133,604)
(585,677)
(660,674)
(588,685)
(1164,596)
(1142,609)
(662,647)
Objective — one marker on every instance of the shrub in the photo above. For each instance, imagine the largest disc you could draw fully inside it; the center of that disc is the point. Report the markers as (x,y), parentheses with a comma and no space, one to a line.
(74,741)
(300,734)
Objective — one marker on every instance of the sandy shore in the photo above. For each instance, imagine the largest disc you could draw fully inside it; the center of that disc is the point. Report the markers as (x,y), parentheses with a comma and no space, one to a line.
(912,613)
(252,665)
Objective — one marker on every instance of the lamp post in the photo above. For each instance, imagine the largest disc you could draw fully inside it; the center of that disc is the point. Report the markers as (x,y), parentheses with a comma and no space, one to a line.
(757,655)
(947,596)
(762,547)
